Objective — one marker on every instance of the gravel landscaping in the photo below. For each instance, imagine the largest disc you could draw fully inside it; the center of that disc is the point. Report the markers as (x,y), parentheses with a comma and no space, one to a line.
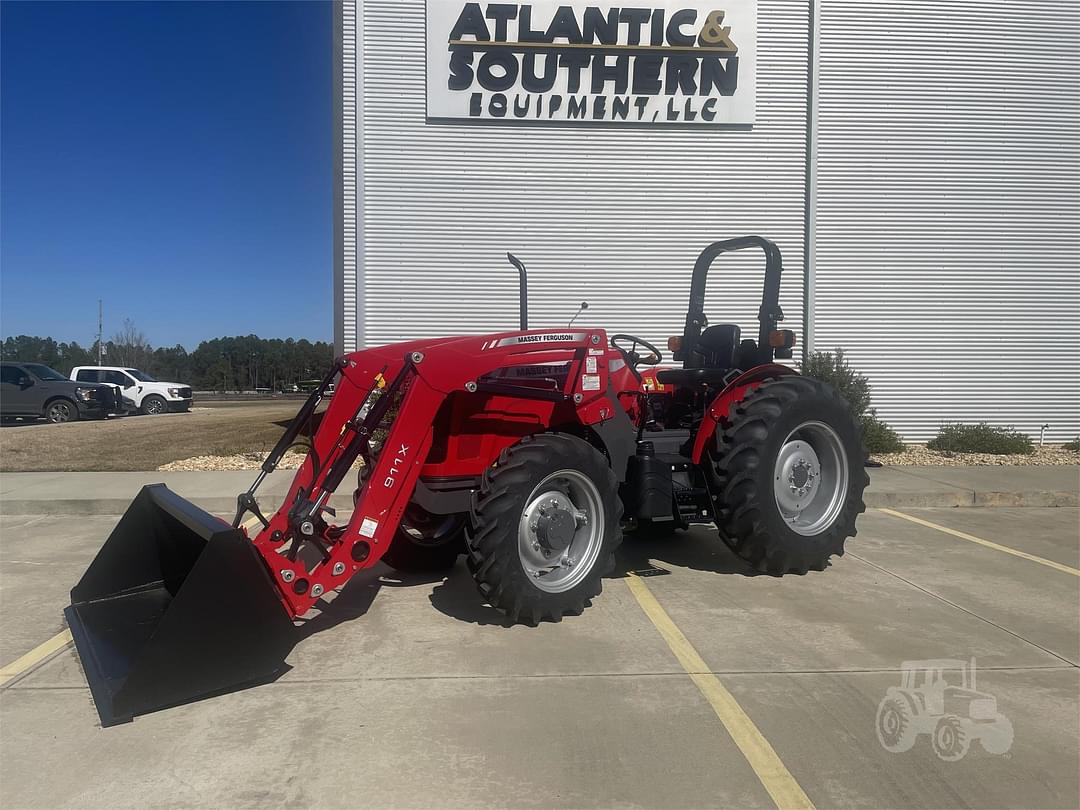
(238,461)
(919,455)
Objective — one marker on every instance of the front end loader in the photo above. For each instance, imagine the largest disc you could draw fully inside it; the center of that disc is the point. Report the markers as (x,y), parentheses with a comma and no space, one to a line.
(517,449)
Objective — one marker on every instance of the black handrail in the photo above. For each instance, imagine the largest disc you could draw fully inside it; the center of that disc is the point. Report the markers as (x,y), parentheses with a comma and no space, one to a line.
(769,314)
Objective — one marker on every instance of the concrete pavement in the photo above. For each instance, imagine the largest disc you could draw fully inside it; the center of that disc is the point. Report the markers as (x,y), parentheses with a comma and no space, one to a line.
(410,692)
(109,493)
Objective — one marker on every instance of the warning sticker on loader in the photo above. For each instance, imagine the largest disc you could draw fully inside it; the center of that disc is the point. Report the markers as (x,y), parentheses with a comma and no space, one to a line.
(368,527)
(590,382)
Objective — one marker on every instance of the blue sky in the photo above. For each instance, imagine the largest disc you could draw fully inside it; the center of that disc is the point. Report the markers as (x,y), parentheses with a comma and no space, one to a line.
(173,159)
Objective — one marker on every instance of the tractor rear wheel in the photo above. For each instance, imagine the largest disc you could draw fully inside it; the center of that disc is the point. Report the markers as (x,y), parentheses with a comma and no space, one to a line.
(544,527)
(426,542)
(895,725)
(787,476)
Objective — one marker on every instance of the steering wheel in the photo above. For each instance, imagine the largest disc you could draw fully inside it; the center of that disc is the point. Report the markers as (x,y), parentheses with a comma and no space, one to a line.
(631,355)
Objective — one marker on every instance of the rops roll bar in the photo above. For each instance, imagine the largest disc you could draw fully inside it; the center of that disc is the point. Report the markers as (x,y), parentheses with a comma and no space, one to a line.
(769,314)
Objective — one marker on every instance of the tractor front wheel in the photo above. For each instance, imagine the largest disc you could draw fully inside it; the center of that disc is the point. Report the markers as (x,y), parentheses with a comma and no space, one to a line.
(544,527)
(787,476)
(426,542)
(997,738)
(950,741)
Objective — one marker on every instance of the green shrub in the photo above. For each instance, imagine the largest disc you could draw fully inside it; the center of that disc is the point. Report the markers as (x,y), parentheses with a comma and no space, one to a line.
(1074,445)
(833,368)
(981,438)
(878,436)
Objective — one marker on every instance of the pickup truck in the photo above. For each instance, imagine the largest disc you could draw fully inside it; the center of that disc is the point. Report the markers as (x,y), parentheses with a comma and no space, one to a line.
(32,389)
(149,396)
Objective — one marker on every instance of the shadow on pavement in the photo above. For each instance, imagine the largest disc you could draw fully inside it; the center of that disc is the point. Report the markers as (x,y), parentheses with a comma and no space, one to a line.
(18,422)
(457,597)
(351,602)
(698,549)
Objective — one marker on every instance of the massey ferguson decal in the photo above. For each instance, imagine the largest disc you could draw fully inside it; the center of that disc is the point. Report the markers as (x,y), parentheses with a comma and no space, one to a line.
(552,337)
(672,62)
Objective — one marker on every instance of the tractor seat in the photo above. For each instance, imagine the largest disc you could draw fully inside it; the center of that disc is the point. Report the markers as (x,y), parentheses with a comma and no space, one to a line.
(693,376)
(711,359)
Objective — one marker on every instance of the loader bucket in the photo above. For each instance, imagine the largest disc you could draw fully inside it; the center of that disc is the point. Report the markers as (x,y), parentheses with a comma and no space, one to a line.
(177,605)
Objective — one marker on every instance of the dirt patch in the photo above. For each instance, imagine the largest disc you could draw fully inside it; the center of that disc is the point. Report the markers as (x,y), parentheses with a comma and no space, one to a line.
(144,442)
(920,455)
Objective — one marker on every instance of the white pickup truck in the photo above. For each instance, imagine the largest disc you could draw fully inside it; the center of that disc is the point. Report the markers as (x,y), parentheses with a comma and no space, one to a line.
(149,396)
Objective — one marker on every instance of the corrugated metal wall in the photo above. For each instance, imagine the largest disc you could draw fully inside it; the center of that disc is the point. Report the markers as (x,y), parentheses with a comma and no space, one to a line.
(348,63)
(946,246)
(947,249)
(611,215)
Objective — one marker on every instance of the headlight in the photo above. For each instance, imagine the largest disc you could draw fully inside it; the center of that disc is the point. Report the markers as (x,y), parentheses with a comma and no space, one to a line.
(86,394)
(174,392)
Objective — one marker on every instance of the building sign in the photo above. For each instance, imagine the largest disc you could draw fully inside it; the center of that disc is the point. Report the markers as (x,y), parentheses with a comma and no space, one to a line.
(669,62)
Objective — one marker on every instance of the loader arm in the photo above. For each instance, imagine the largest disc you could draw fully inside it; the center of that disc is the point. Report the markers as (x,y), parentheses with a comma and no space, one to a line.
(397,395)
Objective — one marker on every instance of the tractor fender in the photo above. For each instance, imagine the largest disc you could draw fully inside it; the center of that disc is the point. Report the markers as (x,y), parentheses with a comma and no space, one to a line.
(916,705)
(605,424)
(720,408)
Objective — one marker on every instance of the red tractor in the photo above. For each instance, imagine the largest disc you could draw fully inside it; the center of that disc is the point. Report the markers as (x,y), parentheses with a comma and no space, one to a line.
(527,451)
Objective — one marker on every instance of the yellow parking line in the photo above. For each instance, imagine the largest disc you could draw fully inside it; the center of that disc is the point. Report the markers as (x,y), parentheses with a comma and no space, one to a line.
(767,765)
(973,539)
(35,656)
(60,640)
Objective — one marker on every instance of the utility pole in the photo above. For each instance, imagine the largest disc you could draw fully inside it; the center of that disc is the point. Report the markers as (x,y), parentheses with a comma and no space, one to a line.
(100,348)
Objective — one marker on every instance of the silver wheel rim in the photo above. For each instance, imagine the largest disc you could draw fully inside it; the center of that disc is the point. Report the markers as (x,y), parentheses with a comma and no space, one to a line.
(59,412)
(810,478)
(155,406)
(561,531)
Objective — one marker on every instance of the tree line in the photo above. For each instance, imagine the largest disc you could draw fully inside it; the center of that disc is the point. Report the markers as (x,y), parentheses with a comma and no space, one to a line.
(221,364)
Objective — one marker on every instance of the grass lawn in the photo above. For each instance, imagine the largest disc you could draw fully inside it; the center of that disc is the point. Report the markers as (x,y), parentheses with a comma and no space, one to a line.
(144,442)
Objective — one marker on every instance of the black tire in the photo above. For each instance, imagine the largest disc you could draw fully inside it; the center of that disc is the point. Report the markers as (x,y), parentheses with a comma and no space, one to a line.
(61,410)
(492,537)
(998,737)
(153,405)
(950,740)
(895,725)
(743,473)
(426,542)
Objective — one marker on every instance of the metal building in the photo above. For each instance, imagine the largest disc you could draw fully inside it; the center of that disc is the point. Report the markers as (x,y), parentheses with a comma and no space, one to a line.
(918,163)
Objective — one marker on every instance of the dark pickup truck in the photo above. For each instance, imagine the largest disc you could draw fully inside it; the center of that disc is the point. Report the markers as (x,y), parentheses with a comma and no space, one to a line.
(31,389)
